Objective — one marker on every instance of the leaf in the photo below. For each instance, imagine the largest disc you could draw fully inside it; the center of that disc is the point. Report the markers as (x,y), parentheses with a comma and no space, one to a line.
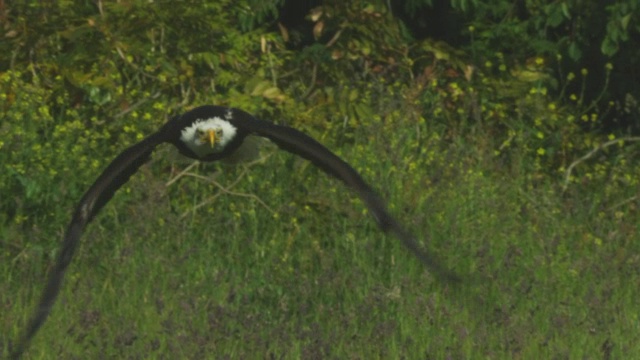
(353,94)
(574,51)
(565,10)
(283,32)
(555,16)
(608,46)
(625,21)
(317,29)
(364,112)
(257,87)
(315,13)
(529,75)
(274,94)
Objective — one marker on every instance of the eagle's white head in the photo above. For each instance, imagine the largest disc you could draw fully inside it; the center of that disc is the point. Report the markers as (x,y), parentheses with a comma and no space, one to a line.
(207,136)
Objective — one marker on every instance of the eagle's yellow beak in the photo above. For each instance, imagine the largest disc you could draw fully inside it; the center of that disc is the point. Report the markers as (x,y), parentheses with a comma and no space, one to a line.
(211,136)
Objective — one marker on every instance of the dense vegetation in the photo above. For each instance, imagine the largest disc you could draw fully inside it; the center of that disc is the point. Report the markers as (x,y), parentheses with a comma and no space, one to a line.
(506,137)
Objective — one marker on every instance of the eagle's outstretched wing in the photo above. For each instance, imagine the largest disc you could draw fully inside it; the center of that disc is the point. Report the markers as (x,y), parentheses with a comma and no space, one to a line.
(111,179)
(299,143)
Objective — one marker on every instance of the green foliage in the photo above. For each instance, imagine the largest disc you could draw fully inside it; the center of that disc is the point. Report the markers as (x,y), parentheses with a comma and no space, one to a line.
(29,156)
(316,278)
(254,13)
(83,82)
(361,38)
(94,78)
(623,19)
(100,81)
(548,27)
(487,155)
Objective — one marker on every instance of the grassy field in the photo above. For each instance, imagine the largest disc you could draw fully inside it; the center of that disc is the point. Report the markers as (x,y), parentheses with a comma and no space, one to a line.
(282,262)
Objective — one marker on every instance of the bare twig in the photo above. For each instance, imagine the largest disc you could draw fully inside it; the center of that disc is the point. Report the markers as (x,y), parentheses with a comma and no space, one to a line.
(624,202)
(314,74)
(334,38)
(226,190)
(223,189)
(272,69)
(591,153)
(136,105)
(182,173)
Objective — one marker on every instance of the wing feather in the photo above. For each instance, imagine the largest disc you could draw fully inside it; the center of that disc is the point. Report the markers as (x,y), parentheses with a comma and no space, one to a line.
(111,179)
(299,143)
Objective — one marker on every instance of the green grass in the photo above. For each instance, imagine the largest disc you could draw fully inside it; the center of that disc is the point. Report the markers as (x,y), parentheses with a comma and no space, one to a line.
(547,275)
